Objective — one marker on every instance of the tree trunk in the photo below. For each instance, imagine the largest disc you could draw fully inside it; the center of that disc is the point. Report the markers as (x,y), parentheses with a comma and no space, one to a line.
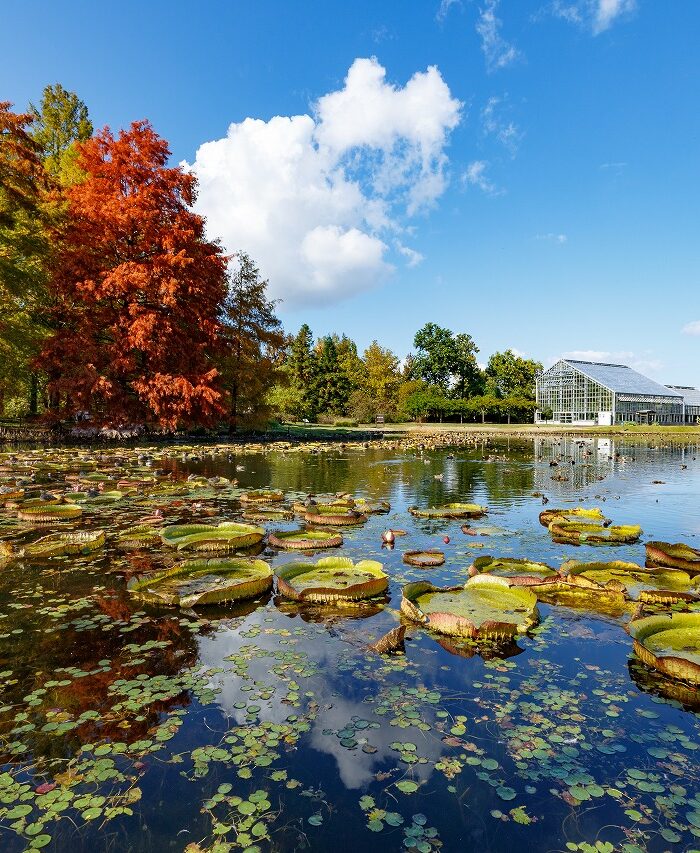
(2,401)
(483,416)
(33,394)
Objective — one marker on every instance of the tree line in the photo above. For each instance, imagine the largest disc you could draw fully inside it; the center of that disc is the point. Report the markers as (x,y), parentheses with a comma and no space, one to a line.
(117,309)
(328,380)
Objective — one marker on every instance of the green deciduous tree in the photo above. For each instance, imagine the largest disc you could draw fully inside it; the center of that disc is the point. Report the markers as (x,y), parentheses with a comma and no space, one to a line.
(434,362)
(23,249)
(510,375)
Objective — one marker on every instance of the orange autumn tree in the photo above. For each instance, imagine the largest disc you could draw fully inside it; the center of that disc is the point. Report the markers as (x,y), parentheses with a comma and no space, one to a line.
(136,291)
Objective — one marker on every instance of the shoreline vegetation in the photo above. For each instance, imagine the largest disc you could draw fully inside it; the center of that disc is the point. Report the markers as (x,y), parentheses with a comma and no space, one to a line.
(444,435)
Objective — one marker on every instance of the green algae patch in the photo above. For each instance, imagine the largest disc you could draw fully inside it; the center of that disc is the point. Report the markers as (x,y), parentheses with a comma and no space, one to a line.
(198,582)
(228,536)
(673,555)
(486,607)
(670,643)
(332,580)
(304,540)
(451,510)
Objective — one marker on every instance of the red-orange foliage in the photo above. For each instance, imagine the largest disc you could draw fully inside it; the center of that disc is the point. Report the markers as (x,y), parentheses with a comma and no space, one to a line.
(137,290)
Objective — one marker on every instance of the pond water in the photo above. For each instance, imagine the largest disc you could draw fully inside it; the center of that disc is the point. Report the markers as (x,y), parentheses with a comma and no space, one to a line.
(269,725)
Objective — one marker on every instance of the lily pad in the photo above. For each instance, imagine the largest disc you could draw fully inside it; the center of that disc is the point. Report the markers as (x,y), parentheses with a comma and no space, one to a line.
(577,513)
(486,607)
(228,536)
(332,580)
(197,582)
(676,556)
(670,643)
(580,533)
(424,559)
(331,514)
(64,544)
(451,510)
(304,540)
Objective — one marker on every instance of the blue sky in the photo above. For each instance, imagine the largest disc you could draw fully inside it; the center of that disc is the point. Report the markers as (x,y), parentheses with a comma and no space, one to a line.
(537,188)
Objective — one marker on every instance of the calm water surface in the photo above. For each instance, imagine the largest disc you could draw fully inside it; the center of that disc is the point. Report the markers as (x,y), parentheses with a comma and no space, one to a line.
(270,726)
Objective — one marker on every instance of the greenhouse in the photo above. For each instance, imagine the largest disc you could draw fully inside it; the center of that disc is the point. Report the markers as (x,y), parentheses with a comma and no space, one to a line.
(691,402)
(589,393)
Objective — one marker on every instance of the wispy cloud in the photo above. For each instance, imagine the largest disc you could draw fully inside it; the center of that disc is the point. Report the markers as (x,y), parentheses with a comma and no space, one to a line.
(619,165)
(475,175)
(495,124)
(692,328)
(413,258)
(594,15)
(445,6)
(552,237)
(497,51)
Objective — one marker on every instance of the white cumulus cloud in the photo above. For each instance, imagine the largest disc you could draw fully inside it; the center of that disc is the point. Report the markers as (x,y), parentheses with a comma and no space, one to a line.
(497,51)
(692,328)
(319,200)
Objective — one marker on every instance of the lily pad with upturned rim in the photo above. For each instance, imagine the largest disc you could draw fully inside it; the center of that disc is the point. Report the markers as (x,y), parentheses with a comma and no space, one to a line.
(334,516)
(227,536)
(451,510)
(66,544)
(332,580)
(670,643)
(576,513)
(424,559)
(583,533)
(676,555)
(197,582)
(486,607)
(520,572)
(304,540)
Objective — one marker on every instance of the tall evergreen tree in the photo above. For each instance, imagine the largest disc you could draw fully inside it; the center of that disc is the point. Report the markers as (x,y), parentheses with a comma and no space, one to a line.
(59,122)
(253,339)
(331,386)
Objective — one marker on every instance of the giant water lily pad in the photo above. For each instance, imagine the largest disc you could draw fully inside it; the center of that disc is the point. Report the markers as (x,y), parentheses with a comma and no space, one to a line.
(676,556)
(580,533)
(670,643)
(262,496)
(48,511)
(576,513)
(65,544)
(520,572)
(304,540)
(228,536)
(486,607)
(627,580)
(332,580)
(141,536)
(451,510)
(424,559)
(198,582)
(336,516)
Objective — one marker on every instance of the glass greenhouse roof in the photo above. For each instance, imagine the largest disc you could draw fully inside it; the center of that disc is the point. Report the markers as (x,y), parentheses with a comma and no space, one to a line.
(622,379)
(691,396)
